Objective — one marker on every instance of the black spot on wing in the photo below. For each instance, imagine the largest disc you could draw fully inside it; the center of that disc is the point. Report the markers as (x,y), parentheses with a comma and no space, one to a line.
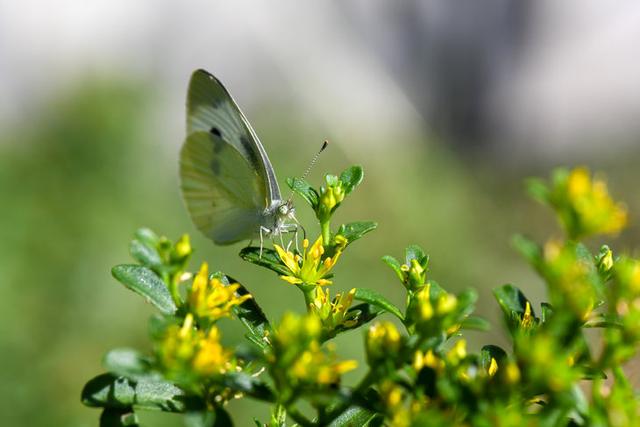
(214,130)
(215,167)
(218,145)
(250,150)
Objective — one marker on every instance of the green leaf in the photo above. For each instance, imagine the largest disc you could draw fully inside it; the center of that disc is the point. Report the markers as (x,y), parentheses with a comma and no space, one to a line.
(414,252)
(395,265)
(304,190)
(217,418)
(127,363)
(355,230)
(491,351)
(529,250)
(546,311)
(251,314)
(511,299)
(378,300)
(118,417)
(476,323)
(538,190)
(351,178)
(145,282)
(355,416)
(145,254)
(358,315)
(147,237)
(269,259)
(110,391)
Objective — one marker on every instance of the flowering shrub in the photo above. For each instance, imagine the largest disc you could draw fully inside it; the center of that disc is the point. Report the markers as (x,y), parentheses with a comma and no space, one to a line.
(419,370)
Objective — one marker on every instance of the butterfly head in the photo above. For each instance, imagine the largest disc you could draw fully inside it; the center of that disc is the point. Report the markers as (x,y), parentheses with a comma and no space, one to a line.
(286,210)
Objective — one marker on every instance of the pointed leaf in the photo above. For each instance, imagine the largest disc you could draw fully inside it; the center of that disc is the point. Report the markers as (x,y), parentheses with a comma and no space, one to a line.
(147,237)
(355,230)
(538,190)
(127,363)
(145,282)
(378,300)
(358,315)
(395,265)
(351,178)
(511,299)
(491,351)
(476,323)
(251,314)
(145,254)
(546,311)
(304,190)
(356,416)
(529,250)
(414,252)
(110,391)
(269,259)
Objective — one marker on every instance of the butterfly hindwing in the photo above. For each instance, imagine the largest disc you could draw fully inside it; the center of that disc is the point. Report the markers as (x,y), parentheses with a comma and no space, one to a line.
(223,192)
(210,108)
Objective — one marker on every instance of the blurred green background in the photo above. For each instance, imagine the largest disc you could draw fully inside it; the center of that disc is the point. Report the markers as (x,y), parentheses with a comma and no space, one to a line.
(84,166)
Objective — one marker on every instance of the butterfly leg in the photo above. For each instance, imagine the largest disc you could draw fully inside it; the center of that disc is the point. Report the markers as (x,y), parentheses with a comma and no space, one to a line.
(262,230)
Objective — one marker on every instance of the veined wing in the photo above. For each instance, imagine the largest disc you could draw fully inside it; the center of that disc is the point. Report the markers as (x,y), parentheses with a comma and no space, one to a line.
(210,108)
(223,193)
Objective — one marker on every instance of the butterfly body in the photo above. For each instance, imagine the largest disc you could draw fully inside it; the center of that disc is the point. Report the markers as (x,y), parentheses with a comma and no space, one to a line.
(227,181)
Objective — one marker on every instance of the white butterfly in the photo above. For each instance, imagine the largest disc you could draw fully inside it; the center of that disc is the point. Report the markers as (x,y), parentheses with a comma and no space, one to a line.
(227,181)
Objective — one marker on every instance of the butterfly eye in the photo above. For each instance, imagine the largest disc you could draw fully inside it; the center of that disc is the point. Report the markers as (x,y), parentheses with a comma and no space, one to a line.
(283,209)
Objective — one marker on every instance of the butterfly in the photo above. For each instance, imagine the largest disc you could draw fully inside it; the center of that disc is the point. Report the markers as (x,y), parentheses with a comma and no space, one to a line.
(228,184)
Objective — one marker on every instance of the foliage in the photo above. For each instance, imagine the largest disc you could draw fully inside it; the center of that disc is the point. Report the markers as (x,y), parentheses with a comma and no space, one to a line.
(419,370)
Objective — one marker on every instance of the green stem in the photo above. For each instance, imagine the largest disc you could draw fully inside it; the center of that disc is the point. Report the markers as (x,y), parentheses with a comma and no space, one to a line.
(172,283)
(307,291)
(325,228)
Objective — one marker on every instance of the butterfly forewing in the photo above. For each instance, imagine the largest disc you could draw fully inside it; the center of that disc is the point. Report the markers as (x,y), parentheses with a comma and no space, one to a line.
(223,192)
(210,108)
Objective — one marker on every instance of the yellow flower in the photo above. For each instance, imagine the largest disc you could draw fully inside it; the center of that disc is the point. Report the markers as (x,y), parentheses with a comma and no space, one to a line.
(595,210)
(425,309)
(317,366)
(428,359)
(332,313)
(310,268)
(210,298)
(383,340)
(457,352)
(297,352)
(183,246)
(493,367)
(528,320)
(185,350)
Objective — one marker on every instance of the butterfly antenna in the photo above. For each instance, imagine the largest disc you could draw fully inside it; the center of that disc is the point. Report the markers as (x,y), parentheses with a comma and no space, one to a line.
(311,164)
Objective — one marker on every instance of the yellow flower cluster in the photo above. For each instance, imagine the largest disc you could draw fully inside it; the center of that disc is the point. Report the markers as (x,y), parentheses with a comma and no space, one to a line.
(332,312)
(185,349)
(310,268)
(210,298)
(383,340)
(331,196)
(570,277)
(297,348)
(594,209)
(315,365)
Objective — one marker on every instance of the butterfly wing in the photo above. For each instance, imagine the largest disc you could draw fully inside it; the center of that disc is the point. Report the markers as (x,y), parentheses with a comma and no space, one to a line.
(210,108)
(223,192)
